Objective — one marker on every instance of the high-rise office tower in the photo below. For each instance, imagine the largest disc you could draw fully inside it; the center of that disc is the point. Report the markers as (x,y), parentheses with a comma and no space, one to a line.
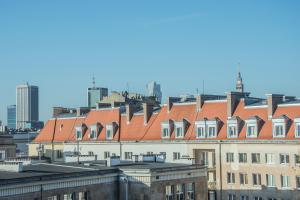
(11,117)
(27,105)
(153,89)
(95,94)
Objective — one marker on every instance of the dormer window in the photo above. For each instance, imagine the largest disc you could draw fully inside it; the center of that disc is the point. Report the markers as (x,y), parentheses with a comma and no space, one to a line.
(280,126)
(111,129)
(207,128)
(297,127)
(93,133)
(180,128)
(78,133)
(166,129)
(252,127)
(233,127)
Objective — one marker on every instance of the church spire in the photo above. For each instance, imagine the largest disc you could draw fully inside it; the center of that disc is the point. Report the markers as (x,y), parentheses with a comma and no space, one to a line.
(239,81)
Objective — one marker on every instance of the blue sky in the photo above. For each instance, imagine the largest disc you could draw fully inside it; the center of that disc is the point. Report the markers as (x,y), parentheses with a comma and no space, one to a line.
(60,45)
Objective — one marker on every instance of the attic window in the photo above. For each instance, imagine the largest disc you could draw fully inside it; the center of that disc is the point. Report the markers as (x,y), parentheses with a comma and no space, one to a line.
(297,128)
(207,128)
(280,126)
(93,133)
(109,132)
(180,129)
(166,129)
(78,133)
(252,127)
(233,127)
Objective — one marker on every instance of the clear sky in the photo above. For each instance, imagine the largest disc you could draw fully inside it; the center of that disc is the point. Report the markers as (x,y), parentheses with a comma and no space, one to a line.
(60,45)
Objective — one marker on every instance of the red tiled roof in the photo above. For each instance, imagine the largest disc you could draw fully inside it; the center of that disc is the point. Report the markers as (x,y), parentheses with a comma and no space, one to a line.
(61,130)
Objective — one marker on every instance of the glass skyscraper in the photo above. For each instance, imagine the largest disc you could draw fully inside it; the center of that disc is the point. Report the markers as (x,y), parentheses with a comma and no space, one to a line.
(27,105)
(94,95)
(11,117)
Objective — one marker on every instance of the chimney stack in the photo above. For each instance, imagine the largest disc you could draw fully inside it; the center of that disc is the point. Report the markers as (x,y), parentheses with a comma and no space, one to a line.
(199,102)
(129,112)
(148,110)
(273,100)
(233,99)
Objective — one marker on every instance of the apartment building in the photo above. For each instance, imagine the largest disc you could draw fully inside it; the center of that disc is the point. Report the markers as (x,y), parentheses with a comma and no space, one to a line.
(249,145)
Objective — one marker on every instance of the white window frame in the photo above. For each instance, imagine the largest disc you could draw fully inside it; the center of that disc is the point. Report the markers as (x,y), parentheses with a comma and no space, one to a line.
(176,155)
(270,158)
(78,130)
(231,197)
(244,157)
(258,179)
(230,178)
(258,161)
(270,180)
(244,179)
(179,126)
(285,181)
(234,127)
(93,128)
(297,127)
(286,159)
(244,197)
(228,158)
(212,124)
(276,123)
(110,128)
(254,129)
(297,156)
(165,126)
(202,125)
(298,182)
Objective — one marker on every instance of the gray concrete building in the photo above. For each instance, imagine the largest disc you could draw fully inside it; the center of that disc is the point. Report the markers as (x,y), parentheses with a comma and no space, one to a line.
(153,89)
(27,108)
(7,147)
(95,94)
(29,180)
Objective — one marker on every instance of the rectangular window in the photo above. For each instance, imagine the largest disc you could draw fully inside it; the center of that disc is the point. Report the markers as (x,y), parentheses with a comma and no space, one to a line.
(70,196)
(106,154)
(270,180)
(211,131)
(200,132)
(251,131)
(52,198)
(284,159)
(83,195)
(244,197)
(176,155)
(109,135)
(258,198)
(232,131)
(285,181)
(297,159)
(230,178)
(59,154)
(128,155)
(256,179)
(93,133)
(278,131)
(165,133)
(231,197)
(179,132)
(170,192)
(255,158)
(191,191)
(243,179)
(242,158)
(229,157)
(297,130)
(269,158)
(298,182)
(180,191)
(90,153)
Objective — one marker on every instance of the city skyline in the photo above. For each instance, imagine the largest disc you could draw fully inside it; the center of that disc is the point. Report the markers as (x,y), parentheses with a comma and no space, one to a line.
(61,46)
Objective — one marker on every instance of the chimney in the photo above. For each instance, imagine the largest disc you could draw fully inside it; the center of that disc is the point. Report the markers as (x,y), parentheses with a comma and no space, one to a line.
(148,110)
(233,99)
(129,112)
(169,104)
(199,102)
(82,110)
(273,100)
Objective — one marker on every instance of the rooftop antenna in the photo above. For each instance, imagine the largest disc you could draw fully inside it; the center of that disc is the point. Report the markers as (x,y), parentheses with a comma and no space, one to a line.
(94,82)
(203,87)
(197,91)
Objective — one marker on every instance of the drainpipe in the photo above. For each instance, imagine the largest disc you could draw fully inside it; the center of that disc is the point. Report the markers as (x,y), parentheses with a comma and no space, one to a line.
(220,167)
(124,180)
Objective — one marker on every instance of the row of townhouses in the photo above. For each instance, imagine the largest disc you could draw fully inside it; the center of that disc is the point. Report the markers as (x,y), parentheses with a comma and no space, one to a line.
(249,145)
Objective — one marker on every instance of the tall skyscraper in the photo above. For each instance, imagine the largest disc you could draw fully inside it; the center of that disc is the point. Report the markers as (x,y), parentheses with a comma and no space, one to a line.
(27,105)
(11,117)
(95,94)
(153,89)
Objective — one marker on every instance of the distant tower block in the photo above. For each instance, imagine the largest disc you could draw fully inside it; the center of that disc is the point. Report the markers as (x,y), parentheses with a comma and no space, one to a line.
(239,81)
